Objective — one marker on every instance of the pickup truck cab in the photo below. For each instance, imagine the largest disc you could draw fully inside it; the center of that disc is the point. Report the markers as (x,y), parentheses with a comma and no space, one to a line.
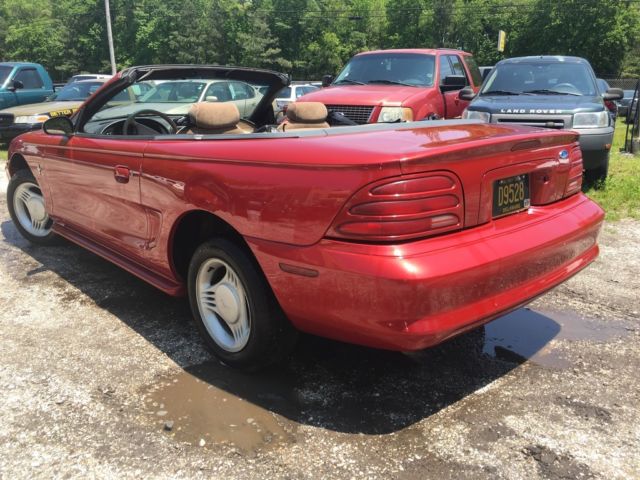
(554,92)
(400,85)
(23,83)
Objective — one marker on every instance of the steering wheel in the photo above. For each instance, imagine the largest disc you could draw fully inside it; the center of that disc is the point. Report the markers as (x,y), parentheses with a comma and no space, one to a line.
(566,87)
(130,122)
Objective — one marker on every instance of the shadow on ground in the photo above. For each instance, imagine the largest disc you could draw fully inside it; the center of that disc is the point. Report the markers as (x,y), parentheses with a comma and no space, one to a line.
(340,387)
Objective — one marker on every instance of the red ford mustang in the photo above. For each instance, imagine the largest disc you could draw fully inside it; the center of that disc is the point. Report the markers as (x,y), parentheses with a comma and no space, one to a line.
(395,236)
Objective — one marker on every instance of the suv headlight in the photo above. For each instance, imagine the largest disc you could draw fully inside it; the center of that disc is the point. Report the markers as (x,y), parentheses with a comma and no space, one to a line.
(31,119)
(395,114)
(591,120)
(476,115)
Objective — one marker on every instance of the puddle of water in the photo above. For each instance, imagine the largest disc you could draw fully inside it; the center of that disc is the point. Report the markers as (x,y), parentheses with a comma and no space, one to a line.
(530,334)
(198,411)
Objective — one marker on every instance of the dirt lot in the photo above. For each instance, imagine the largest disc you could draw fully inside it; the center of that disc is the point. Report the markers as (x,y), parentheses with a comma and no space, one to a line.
(103,376)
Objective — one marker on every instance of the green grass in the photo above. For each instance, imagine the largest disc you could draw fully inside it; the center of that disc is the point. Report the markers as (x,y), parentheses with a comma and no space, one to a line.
(3,154)
(620,193)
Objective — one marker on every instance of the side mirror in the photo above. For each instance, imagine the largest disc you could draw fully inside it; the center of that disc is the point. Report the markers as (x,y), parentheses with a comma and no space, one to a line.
(467,94)
(15,85)
(327,80)
(453,82)
(613,94)
(58,126)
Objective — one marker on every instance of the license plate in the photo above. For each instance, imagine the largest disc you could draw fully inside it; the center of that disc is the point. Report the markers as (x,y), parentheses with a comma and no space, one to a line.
(511,195)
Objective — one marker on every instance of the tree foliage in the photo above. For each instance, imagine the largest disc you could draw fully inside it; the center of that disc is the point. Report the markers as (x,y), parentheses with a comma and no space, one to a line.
(311,37)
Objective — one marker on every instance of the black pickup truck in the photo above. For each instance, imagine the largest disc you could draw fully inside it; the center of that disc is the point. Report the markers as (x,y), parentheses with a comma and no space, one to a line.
(550,92)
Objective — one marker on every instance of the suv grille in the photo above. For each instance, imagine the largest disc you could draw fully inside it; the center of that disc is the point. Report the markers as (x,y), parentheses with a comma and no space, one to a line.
(357,113)
(6,119)
(546,123)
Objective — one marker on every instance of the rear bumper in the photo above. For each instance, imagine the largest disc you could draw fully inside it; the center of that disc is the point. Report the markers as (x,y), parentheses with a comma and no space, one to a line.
(414,295)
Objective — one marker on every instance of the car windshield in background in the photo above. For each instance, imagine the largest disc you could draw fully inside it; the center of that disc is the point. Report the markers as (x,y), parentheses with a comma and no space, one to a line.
(4,73)
(175,97)
(390,69)
(77,91)
(174,92)
(540,78)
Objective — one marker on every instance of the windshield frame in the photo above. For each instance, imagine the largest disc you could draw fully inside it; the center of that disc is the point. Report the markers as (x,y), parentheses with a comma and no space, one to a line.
(378,79)
(261,114)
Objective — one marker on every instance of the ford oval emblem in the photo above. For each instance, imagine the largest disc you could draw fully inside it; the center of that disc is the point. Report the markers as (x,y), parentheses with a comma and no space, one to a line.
(564,154)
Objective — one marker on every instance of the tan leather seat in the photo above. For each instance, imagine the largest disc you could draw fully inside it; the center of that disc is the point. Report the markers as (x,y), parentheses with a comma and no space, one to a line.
(305,115)
(209,118)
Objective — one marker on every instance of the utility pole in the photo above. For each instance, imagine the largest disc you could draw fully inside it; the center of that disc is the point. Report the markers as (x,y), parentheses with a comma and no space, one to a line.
(112,54)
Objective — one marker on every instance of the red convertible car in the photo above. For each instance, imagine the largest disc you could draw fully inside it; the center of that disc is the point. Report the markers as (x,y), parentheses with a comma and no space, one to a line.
(395,236)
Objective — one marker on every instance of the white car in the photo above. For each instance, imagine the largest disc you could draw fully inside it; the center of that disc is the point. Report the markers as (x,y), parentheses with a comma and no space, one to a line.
(291,94)
(89,76)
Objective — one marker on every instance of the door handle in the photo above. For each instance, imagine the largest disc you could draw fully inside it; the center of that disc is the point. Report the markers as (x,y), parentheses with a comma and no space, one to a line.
(121,174)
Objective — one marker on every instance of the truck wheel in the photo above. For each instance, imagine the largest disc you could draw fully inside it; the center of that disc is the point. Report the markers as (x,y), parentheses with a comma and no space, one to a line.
(234,308)
(27,209)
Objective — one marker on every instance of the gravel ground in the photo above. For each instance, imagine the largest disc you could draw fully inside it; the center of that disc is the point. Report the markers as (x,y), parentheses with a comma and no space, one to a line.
(103,376)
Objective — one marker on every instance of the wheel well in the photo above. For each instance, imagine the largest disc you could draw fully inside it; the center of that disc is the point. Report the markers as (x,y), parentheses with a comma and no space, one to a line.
(192,230)
(16,163)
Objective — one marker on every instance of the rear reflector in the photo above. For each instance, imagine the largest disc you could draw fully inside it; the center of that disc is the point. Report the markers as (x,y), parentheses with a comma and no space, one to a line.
(404,208)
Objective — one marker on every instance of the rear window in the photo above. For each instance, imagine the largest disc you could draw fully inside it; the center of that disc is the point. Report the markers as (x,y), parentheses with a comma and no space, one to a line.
(4,73)
(476,74)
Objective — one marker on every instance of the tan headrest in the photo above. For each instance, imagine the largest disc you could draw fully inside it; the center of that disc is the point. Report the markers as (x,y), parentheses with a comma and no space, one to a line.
(307,112)
(214,115)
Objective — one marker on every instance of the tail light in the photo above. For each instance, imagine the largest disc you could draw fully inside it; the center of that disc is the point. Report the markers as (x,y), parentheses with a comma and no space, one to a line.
(574,179)
(402,208)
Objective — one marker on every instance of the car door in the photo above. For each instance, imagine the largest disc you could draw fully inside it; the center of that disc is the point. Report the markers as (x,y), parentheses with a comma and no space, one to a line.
(94,184)
(33,90)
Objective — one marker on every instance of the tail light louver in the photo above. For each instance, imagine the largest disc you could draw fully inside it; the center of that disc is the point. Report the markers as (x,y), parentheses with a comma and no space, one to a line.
(574,180)
(402,208)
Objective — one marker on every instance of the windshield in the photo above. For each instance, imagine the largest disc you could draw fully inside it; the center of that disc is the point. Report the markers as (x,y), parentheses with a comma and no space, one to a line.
(77,91)
(4,73)
(553,78)
(389,68)
(174,92)
(175,97)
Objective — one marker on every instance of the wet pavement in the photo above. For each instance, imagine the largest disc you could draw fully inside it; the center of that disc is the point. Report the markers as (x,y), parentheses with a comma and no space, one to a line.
(103,376)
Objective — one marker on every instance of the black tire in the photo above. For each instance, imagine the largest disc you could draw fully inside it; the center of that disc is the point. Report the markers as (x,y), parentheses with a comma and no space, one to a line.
(271,336)
(19,178)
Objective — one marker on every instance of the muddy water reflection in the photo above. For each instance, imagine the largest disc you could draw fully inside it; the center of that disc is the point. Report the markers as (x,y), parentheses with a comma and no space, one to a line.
(350,389)
(533,334)
(200,409)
